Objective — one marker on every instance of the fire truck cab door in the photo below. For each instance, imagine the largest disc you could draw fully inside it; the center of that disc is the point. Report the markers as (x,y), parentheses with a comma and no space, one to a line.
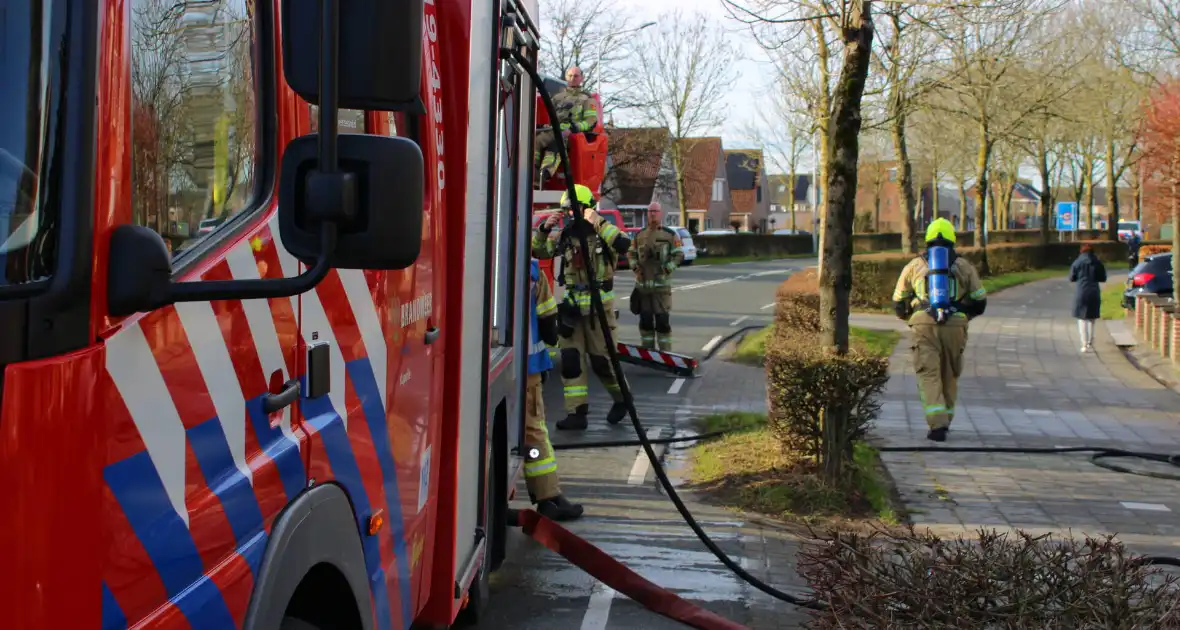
(206,446)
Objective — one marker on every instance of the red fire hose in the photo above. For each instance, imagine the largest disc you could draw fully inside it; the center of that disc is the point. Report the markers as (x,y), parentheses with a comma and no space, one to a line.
(614,574)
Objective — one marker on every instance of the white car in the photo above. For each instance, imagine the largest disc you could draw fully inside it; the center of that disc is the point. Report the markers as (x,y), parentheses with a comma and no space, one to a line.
(1127,228)
(686,245)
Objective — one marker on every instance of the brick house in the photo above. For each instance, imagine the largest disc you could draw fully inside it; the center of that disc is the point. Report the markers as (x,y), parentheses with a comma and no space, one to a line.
(749,194)
(781,202)
(706,191)
(638,172)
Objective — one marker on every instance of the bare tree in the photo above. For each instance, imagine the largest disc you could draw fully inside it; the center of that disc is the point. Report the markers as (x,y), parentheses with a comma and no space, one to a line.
(989,85)
(785,127)
(853,20)
(588,35)
(906,45)
(685,68)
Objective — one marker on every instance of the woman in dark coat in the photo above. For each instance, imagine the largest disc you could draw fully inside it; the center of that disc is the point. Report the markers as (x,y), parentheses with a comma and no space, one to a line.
(1088,272)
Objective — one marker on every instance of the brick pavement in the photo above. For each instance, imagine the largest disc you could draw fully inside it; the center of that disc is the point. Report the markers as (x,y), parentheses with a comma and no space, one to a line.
(1026,384)
(767,549)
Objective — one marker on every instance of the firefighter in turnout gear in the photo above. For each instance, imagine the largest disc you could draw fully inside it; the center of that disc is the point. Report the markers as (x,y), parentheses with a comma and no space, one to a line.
(581,336)
(656,253)
(576,112)
(540,464)
(939,333)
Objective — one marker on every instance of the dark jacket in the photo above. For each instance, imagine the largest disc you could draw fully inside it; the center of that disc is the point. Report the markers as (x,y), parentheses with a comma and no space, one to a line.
(1087,271)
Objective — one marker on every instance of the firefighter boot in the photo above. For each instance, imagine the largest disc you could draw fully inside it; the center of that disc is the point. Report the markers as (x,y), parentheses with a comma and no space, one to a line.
(559,509)
(575,421)
(617,412)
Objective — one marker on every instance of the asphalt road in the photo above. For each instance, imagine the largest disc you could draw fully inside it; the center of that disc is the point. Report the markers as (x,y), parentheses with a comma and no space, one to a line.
(627,515)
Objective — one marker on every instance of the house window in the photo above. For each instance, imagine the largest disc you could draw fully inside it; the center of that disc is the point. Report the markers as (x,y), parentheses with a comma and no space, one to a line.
(708,224)
(892,174)
(718,189)
(759,194)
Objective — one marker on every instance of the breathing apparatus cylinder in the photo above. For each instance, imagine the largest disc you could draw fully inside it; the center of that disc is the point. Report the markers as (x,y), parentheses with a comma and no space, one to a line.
(939,282)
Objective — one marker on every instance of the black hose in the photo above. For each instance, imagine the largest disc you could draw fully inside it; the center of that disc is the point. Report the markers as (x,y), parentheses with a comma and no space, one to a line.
(1100,453)
(581,228)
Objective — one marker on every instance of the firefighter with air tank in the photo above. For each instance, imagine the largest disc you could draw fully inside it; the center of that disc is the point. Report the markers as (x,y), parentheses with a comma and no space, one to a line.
(656,253)
(581,337)
(937,294)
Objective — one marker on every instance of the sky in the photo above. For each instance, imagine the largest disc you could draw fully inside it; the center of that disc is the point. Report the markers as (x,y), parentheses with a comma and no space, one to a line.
(750,77)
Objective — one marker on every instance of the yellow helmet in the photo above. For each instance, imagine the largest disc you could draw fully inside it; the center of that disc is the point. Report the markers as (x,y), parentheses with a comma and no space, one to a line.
(585,197)
(940,228)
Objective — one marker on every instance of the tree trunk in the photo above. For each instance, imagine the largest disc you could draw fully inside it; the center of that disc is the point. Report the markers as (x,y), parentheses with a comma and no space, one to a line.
(1088,184)
(981,188)
(791,195)
(1112,195)
(1046,192)
(962,207)
(934,191)
(824,125)
(904,170)
(1176,214)
(1136,192)
(835,283)
(681,202)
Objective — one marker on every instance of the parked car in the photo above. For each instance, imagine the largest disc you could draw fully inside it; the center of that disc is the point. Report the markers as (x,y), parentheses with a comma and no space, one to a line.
(1127,228)
(686,245)
(1152,275)
(716,232)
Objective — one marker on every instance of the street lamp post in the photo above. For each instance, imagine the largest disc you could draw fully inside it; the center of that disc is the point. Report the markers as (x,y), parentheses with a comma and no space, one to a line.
(598,61)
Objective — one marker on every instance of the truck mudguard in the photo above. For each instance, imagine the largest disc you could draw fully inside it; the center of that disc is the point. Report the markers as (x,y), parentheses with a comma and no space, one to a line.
(318,527)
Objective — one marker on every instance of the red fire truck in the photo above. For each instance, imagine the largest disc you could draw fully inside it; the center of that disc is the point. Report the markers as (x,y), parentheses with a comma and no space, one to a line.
(304,416)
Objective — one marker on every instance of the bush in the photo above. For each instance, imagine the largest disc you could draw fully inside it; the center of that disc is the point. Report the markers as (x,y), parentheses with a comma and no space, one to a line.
(916,580)
(1148,250)
(796,304)
(820,403)
(753,245)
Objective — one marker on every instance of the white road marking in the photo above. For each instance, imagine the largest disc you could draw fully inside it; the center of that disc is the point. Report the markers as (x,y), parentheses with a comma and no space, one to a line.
(642,463)
(763,308)
(598,610)
(712,344)
(1153,507)
(1020,385)
(739,320)
(676,385)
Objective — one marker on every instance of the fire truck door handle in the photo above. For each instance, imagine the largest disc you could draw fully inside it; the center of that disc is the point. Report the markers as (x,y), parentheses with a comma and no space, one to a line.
(431,334)
(274,402)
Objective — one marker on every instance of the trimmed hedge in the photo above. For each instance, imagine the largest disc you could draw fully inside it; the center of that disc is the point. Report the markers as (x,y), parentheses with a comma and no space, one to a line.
(875,276)
(819,404)
(911,579)
(753,245)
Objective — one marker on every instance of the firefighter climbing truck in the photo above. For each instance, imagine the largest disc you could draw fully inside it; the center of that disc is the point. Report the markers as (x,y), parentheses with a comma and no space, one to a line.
(305,416)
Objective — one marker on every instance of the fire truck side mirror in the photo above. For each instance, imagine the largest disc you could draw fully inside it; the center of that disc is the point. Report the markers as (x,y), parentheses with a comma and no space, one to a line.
(385,229)
(379,60)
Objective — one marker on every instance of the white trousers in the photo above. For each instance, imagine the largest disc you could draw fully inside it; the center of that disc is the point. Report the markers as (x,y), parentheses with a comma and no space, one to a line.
(1086,331)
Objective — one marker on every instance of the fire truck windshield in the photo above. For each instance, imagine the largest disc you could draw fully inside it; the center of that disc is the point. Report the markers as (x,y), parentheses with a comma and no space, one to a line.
(27,65)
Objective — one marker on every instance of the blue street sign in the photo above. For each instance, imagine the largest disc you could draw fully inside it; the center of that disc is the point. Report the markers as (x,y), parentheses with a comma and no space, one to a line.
(1067,214)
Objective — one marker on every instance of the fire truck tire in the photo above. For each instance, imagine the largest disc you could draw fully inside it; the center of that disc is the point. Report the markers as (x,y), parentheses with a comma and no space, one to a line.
(295,623)
(313,570)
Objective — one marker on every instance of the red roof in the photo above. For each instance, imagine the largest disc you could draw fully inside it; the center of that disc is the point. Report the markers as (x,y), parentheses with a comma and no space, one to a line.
(699,163)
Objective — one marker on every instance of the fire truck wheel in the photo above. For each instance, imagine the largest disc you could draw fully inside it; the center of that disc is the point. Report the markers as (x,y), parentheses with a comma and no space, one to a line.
(295,623)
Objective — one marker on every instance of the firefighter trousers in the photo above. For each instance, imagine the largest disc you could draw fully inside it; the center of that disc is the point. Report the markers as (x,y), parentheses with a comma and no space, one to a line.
(545,153)
(587,345)
(540,463)
(654,310)
(938,362)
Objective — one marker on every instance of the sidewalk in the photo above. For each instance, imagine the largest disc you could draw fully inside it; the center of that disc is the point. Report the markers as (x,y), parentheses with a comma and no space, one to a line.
(1025,384)
(767,550)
